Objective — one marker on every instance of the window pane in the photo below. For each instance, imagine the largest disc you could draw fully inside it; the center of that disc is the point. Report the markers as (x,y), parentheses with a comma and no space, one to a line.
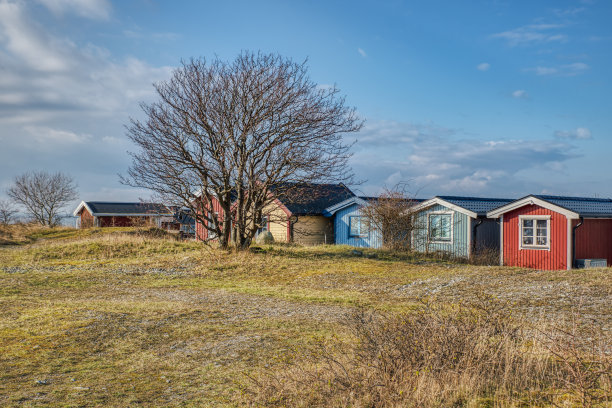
(527,223)
(541,232)
(527,240)
(542,223)
(528,232)
(541,240)
(434,226)
(354,225)
(446,226)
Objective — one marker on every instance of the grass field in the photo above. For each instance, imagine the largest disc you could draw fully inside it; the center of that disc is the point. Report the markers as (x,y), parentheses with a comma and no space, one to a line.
(120,317)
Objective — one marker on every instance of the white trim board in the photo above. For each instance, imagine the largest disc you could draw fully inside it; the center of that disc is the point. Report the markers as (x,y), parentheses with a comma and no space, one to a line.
(344,204)
(531,200)
(438,201)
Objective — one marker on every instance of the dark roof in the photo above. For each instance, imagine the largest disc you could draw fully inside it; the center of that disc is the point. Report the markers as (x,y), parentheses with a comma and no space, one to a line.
(410,200)
(584,206)
(313,199)
(479,205)
(105,207)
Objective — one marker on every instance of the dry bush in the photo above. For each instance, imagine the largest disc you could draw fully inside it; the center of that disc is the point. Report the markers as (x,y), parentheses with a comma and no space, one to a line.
(470,355)
(484,255)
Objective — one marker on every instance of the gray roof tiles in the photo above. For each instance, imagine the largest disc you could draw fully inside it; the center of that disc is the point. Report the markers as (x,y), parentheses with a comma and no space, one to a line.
(106,207)
(479,205)
(584,206)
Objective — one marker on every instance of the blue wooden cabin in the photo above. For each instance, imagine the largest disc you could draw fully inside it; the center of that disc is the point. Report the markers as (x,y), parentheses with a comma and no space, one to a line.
(457,226)
(351,227)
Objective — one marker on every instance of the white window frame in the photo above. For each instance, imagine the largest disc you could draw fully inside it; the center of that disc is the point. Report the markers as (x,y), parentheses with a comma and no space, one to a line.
(535,219)
(362,220)
(452,227)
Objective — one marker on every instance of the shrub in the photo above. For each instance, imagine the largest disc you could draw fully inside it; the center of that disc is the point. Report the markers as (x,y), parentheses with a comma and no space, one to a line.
(438,356)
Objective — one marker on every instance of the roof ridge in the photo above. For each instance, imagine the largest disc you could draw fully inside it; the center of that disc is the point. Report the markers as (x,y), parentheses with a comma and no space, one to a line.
(572,198)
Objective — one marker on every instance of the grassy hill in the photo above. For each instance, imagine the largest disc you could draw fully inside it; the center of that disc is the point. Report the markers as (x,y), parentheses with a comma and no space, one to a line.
(119,316)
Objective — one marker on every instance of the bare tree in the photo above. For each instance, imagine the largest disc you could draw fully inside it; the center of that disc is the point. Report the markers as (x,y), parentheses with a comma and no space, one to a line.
(43,195)
(235,132)
(7,212)
(392,216)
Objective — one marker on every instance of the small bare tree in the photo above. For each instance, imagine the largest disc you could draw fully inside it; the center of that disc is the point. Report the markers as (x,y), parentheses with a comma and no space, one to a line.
(233,133)
(391,215)
(43,195)
(7,212)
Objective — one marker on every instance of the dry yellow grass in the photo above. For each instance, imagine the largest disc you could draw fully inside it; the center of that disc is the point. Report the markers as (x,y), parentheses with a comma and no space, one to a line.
(117,317)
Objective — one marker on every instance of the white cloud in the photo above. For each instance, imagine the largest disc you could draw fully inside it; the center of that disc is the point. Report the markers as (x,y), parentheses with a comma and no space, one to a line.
(573,69)
(520,94)
(362,52)
(63,106)
(44,135)
(93,9)
(532,34)
(434,160)
(578,133)
(572,11)
(483,66)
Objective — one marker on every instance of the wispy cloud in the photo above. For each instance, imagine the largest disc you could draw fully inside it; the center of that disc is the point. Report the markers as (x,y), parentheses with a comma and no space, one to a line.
(435,160)
(362,52)
(573,69)
(45,135)
(533,34)
(483,66)
(92,9)
(520,94)
(572,11)
(578,133)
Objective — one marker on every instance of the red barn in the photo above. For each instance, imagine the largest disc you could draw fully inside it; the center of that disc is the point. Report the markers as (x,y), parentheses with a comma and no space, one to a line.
(553,232)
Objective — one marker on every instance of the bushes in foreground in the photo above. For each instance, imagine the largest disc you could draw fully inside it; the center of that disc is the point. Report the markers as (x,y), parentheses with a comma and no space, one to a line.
(470,355)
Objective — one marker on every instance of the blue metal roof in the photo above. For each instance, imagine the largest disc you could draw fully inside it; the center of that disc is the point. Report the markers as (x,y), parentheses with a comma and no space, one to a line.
(479,205)
(584,206)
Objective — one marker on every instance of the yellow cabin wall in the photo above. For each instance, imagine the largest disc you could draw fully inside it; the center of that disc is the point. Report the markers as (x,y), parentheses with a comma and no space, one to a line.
(313,230)
(278,223)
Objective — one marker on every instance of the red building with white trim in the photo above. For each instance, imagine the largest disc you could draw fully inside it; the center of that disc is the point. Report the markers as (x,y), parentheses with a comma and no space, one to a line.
(552,232)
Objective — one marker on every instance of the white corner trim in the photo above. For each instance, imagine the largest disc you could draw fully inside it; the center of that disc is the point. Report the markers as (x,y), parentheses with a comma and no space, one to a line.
(569,244)
(501,240)
(529,200)
(83,204)
(444,203)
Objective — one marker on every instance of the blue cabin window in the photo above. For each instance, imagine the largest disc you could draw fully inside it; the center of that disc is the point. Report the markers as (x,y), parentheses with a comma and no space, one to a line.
(358,226)
(440,227)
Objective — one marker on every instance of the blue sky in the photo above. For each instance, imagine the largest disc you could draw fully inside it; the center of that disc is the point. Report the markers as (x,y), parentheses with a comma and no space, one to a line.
(485,98)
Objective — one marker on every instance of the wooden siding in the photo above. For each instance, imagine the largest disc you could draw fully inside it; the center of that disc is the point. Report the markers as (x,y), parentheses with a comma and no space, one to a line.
(547,259)
(341,230)
(594,239)
(460,245)
(87,220)
(486,235)
(201,231)
(278,223)
(313,230)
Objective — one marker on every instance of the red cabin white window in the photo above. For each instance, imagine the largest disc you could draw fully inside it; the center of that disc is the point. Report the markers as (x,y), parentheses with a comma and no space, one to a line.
(534,232)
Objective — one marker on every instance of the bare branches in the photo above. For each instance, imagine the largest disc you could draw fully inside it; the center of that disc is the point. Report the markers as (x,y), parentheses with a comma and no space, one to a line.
(43,195)
(7,212)
(230,132)
(391,214)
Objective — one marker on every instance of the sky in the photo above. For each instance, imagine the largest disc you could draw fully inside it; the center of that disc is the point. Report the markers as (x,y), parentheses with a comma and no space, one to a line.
(480,98)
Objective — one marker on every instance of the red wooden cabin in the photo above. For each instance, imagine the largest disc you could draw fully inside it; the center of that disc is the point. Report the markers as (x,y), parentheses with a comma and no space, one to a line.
(119,214)
(552,232)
